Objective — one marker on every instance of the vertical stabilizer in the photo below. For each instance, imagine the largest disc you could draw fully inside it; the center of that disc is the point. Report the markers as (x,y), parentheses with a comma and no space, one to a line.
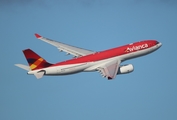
(34,60)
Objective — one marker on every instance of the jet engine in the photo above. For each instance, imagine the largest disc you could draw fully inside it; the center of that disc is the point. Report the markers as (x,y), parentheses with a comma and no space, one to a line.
(125,69)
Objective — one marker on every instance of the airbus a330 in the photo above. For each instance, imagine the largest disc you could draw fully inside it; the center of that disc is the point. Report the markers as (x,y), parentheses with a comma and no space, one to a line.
(107,62)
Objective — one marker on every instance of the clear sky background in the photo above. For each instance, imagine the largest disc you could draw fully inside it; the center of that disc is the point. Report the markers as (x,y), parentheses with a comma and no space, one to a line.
(149,93)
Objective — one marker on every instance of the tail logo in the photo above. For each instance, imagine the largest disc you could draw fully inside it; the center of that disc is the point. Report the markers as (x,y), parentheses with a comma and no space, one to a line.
(34,60)
(36,63)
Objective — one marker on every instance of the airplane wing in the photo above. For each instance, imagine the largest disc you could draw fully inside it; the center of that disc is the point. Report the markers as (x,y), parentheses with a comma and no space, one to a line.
(109,69)
(75,51)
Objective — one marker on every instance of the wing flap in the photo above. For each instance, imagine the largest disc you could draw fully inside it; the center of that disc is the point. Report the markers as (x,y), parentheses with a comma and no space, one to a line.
(75,51)
(109,69)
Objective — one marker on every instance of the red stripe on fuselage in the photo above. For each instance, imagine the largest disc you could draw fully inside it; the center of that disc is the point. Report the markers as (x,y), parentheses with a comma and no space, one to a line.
(110,53)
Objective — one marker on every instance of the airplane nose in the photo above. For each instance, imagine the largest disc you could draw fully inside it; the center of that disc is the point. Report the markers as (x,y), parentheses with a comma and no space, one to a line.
(159,44)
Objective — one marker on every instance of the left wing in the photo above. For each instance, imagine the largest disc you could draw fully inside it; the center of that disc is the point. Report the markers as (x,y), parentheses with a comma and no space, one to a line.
(75,51)
(109,69)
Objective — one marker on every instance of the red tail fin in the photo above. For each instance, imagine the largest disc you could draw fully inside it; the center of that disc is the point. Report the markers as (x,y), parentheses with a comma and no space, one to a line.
(34,60)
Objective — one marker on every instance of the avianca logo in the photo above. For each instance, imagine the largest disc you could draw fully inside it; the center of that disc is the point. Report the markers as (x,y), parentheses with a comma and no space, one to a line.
(36,63)
(139,47)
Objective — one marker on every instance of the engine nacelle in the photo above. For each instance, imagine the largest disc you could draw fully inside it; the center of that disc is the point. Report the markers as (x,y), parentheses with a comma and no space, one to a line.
(125,69)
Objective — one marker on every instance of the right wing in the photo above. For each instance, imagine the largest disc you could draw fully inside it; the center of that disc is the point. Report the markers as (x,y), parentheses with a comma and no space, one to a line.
(75,51)
(109,69)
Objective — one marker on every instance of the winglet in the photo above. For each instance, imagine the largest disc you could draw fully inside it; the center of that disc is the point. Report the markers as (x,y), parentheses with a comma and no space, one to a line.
(37,35)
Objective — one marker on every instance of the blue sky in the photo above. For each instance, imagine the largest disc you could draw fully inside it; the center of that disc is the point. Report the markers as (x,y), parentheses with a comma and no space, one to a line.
(149,92)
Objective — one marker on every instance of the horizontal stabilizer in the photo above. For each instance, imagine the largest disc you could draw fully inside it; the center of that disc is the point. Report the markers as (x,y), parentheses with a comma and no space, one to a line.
(25,67)
(39,75)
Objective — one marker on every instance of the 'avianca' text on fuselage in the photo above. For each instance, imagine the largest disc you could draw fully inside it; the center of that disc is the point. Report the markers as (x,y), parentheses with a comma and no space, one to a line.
(107,62)
(135,48)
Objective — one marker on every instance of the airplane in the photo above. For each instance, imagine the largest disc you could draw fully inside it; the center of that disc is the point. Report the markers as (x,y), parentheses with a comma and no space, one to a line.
(107,62)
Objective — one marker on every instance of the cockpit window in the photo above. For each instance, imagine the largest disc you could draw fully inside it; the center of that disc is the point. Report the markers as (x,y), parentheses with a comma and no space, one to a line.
(157,42)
